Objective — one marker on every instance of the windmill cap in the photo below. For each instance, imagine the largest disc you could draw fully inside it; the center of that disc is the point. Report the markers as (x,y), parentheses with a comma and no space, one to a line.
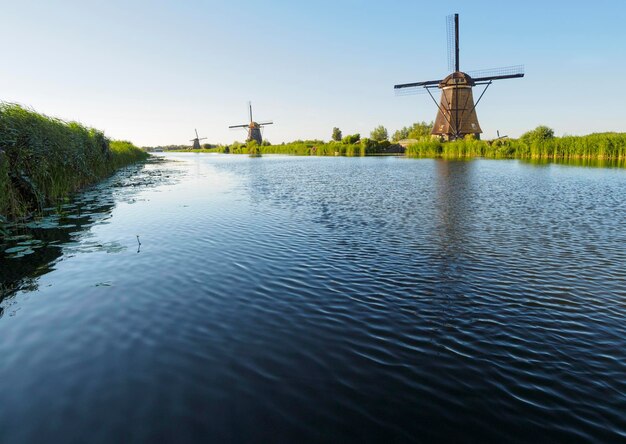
(457,78)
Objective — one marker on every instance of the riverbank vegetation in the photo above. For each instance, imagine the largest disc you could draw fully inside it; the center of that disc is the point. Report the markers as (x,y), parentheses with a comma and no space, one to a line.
(416,141)
(417,131)
(539,143)
(44,159)
(339,145)
(351,145)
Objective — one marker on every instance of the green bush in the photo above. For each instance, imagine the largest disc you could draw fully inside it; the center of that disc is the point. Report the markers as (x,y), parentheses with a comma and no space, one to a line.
(354,138)
(253,148)
(539,135)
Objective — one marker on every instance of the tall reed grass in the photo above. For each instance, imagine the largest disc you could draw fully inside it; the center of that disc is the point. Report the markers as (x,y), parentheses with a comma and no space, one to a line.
(365,147)
(43,159)
(599,146)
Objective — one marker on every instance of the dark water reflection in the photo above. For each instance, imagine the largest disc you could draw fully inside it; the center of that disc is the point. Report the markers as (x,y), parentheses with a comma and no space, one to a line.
(30,249)
(321,299)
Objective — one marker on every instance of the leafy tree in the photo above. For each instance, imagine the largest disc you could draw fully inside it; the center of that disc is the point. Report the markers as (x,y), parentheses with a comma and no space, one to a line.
(539,134)
(417,131)
(336,134)
(266,142)
(354,138)
(400,134)
(379,134)
(420,130)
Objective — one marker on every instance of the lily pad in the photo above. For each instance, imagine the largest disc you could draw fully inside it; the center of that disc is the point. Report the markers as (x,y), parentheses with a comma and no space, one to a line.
(18,237)
(30,242)
(16,249)
(23,253)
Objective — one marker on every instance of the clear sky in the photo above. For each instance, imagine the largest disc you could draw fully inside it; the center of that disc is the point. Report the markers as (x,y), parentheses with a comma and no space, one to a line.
(152,71)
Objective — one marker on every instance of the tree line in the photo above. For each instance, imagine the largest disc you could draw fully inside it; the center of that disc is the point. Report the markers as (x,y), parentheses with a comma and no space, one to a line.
(417,131)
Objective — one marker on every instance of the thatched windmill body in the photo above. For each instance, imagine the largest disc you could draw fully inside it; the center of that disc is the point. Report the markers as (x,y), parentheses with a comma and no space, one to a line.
(254,128)
(196,141)
(456,116)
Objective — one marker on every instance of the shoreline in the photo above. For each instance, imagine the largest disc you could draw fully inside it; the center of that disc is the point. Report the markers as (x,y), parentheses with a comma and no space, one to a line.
(535,144)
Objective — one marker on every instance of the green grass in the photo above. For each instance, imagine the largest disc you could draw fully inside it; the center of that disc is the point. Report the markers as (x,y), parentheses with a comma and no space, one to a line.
(365,147)
(600,146)
(44,159)
(124,153)
(314,148)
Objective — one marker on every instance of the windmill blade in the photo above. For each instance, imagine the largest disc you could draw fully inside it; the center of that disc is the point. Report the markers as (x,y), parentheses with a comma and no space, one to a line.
(196,132)
(415,90)
(202,138)
(240,126)
(250,106)
(450,41)
(417,84)
(506,72)
(266,123)
(452,34)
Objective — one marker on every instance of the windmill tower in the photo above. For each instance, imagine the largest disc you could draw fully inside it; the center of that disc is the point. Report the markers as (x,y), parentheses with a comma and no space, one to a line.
(254,128)
(196,141)
(456,116)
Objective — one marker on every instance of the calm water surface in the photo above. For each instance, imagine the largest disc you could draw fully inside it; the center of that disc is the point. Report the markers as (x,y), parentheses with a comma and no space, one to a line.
(293,299)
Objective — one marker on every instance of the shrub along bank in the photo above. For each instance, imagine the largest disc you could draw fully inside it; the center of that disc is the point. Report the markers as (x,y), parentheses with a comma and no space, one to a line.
(44,159)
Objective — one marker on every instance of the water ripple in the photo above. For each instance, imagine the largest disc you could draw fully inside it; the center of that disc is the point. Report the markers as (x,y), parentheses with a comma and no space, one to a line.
(324,299)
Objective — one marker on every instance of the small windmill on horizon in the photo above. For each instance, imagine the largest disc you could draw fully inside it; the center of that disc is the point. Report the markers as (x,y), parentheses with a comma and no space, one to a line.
(196,141)
(456,117)
(254,128)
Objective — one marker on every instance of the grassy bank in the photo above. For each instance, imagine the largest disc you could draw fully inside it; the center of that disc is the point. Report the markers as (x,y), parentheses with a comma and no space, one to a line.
(365,147)
(539,144)
(602,146)
(44,159)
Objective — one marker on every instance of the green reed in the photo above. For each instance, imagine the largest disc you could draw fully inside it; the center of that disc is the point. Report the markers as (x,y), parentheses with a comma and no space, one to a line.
(599,146)
(43,159)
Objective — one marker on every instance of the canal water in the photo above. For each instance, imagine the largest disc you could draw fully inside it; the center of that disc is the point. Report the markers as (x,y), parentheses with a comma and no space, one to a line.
(302,299)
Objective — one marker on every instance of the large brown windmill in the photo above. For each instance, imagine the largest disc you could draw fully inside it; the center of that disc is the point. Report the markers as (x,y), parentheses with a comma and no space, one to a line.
(254,128)
(456,117)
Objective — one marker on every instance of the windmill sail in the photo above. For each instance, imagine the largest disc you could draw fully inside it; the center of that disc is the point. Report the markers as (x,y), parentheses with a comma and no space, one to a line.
(450,34)
(507,72)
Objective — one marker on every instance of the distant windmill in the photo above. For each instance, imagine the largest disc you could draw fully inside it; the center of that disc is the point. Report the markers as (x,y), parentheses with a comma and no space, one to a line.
(254,128)
(457,111)
(196,141)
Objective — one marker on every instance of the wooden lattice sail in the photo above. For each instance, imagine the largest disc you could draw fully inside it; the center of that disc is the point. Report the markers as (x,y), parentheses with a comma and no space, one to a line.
(457,110)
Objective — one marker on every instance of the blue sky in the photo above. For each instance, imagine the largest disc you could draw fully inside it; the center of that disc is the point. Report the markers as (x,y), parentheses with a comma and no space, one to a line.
(152,71)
